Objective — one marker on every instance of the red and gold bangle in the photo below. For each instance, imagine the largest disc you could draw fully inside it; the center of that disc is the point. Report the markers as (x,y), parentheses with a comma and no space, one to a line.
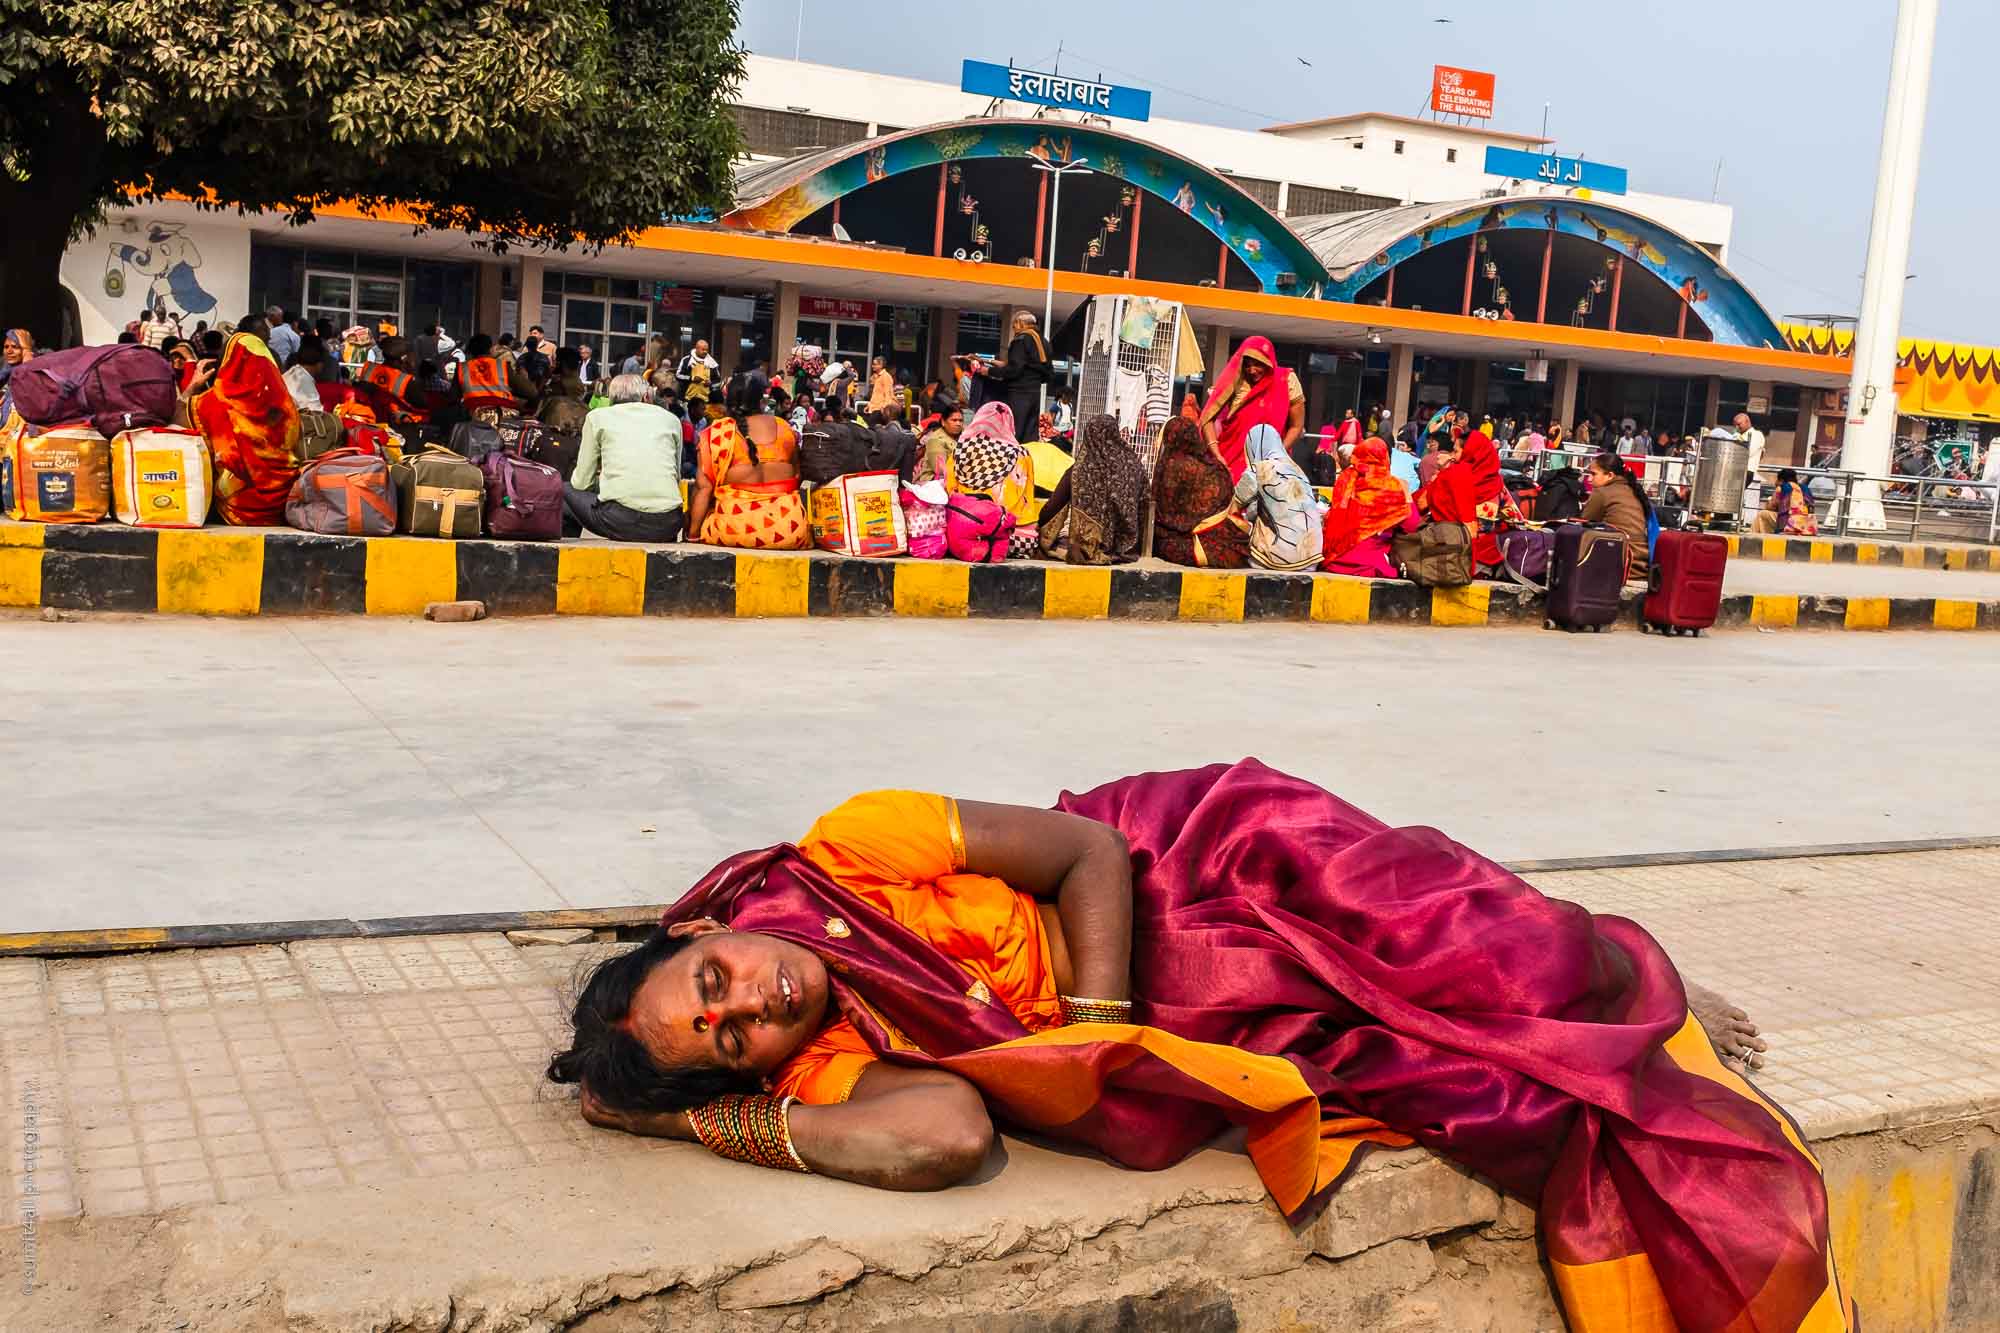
(1079,1010)
(748,1128)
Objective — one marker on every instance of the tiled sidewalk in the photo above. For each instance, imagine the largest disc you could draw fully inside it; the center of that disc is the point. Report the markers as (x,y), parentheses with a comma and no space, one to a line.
(141,1082)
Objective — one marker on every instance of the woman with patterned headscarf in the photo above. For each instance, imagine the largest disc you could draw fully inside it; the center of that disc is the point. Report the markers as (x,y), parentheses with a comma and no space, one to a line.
(1195,521)
(1093,518)
(18,347)
(988,461)
(1274,495)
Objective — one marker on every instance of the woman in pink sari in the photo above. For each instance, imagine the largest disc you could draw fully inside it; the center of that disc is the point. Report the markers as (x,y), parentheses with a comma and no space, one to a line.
(1169,954)
(1252,391)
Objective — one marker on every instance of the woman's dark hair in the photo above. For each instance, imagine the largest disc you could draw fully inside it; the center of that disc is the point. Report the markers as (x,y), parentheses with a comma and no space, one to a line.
(567,359)
(1441,439)
(312,352)
(606,1058)
(1612,463)
(1786,474)
(749,445)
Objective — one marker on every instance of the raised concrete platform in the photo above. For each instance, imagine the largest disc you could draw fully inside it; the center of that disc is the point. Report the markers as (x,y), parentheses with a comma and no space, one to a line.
(280,571)
(352,1134)
(1871,550)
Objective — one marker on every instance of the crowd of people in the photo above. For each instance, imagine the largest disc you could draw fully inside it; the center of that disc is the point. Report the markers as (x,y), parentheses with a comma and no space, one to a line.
(669,447)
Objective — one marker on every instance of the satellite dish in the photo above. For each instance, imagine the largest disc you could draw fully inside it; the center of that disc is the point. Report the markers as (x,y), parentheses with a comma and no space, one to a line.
(840,233)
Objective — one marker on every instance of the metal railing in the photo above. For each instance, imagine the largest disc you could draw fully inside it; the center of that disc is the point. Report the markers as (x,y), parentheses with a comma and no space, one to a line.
(1907,501)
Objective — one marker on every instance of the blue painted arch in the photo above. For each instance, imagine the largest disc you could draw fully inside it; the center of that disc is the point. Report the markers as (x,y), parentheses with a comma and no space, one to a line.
(777,196)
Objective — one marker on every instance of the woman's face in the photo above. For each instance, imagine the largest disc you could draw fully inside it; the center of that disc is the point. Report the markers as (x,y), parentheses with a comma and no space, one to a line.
(12,352)
(732,1000)
(1254,371)
(954,423)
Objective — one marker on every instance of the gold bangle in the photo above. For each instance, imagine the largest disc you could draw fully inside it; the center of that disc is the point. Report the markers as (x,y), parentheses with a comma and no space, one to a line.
(748,1128)
(798,1163)
(1078,1010)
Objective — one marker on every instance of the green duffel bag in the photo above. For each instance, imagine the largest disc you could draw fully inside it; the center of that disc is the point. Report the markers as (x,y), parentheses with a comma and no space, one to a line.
(318,432)
(1437,555)
(438,494)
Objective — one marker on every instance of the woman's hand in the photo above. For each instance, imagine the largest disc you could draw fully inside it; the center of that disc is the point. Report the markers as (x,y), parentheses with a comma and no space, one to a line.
(651,1124)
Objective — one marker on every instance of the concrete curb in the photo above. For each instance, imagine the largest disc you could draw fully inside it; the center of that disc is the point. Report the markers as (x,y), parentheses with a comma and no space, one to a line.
(139,939)
(1851,551)
(278,571)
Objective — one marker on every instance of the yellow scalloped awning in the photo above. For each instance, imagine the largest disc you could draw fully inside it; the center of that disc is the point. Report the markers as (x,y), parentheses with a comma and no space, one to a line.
(1933,379)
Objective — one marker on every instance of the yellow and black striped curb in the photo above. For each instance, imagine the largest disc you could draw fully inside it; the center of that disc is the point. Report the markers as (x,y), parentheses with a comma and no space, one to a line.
(278,571)
(1852,551)
(626,920)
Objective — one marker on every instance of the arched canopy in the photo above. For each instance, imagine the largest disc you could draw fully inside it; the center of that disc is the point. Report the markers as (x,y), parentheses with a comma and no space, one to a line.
(777,196)
(1357,249)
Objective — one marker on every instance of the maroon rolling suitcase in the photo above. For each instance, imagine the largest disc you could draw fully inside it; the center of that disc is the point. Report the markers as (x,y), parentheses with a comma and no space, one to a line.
(1586,578)
(1685,594)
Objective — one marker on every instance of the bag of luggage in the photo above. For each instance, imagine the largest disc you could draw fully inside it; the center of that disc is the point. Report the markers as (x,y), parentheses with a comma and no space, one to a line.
(332,393)
(474,440)
(562,414)
(542,443)
(892,449)
(859,514)
(1560,496)
(161,477)
(832,449)
(925,518)
(438,494)
(524,499)
(1437,555)
(510,425)
(62,474)
(318,432)
(1525,555)
(1684,590)
(1586,576)
(977,530)
(117,388)
(10,434)
(344,493)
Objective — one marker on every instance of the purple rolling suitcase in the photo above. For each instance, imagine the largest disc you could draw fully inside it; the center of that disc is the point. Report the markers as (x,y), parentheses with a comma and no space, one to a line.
(1586,576)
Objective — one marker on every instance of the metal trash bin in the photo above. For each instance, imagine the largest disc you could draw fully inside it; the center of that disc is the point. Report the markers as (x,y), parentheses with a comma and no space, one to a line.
(1721,471)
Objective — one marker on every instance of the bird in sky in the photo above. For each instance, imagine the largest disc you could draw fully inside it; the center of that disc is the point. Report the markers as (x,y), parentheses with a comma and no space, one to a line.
(1303,61)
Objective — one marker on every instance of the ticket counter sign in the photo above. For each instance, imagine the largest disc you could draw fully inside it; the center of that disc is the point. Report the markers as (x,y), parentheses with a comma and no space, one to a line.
(1461,92)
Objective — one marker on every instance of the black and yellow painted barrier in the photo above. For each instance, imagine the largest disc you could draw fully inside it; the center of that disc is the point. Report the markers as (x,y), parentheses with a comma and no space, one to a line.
(1855,551)
(277,571)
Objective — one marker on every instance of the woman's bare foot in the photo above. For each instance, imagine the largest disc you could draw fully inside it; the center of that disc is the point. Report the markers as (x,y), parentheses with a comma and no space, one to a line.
(1729,1028)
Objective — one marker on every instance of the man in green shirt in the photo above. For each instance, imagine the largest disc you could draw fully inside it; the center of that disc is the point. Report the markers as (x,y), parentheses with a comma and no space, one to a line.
(627,484)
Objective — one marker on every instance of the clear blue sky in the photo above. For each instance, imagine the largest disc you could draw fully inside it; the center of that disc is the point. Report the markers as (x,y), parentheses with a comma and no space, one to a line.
(1786,93)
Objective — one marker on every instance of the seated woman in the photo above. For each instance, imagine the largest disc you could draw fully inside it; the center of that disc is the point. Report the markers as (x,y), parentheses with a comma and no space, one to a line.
(1370,506)
(1093,518)
(1617,500)
(1469,490)
(1278,502)
(1169,954)
(1195,521)
(987,461)
(746,489)
(1789,510)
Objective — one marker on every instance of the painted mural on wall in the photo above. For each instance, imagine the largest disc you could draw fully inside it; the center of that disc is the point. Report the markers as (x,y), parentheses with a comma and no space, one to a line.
(1731,313)
(1251,232)
(146,259)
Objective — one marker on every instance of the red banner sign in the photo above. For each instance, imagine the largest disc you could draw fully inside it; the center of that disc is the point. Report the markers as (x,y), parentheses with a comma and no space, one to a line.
(1461,92)
(835,307)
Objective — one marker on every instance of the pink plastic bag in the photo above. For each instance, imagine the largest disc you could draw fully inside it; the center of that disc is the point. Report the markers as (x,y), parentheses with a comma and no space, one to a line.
(925,523)
(978,530)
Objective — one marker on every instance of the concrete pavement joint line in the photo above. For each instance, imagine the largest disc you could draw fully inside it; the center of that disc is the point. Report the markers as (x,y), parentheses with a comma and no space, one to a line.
(424,764)
(238,934)
(111,568)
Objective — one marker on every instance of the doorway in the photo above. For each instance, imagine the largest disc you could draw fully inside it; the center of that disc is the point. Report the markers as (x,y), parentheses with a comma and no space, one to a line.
(842,340)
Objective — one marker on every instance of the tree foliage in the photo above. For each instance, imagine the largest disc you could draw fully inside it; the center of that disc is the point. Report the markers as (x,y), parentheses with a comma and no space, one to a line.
(549,122)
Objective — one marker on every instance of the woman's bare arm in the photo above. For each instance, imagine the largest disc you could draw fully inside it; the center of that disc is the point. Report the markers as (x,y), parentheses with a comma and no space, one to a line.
(901,1129)
(1084,867)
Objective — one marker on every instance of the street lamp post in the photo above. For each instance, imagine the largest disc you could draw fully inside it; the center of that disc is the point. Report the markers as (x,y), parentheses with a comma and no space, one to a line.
(1871,402)
(1055,215)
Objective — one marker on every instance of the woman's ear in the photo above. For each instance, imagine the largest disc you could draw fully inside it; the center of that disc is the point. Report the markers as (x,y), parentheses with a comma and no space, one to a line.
(702,925)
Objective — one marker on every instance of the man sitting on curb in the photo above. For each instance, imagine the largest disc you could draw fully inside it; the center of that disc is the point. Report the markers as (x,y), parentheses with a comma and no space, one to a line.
(627,485)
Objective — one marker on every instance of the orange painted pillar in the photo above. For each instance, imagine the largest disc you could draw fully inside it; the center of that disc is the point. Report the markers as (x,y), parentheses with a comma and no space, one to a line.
(1471,263)
(1617,286)
(1132,252)
(1041,213)
(1221,263)
(937,237)
(1548,257)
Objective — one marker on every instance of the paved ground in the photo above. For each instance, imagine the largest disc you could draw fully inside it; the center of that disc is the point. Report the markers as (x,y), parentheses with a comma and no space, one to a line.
(171,771)
(1796,576)
(396,1083)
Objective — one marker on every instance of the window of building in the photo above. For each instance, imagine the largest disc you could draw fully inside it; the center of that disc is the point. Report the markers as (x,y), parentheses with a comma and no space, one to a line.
(978,333)
(1263,191)
(606,313)
(1306,200)
(787,133)
(1399,147)
(1784,408)
(1451,155)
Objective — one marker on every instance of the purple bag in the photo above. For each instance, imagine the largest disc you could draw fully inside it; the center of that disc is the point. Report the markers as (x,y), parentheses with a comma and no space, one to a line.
(977,530)
(121,387)
(524,499)
(1525,553)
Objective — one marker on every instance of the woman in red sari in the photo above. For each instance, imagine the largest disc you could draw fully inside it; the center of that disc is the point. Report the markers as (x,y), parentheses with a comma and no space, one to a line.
(1369,508)
(1471,491)
(1253,390)
(1169,954)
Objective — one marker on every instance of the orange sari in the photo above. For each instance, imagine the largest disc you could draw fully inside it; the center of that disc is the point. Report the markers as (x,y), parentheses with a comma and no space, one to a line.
(251,425)
(758,515)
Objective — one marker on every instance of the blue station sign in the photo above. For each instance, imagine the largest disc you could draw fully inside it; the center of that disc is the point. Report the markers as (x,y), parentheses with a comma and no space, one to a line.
(1056,90)
(1573,172)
